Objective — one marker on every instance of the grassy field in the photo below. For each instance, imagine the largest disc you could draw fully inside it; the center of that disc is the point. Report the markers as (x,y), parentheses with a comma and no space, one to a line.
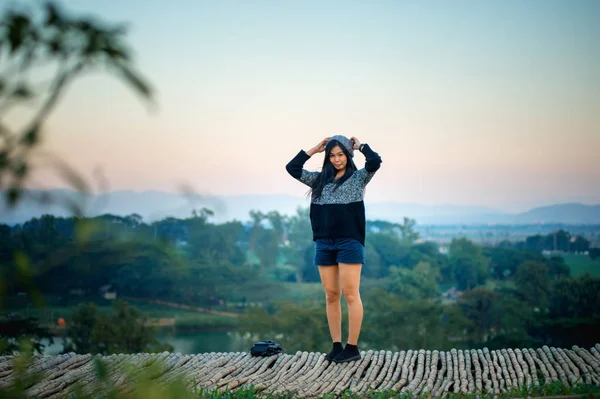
(298,292)
(582,264)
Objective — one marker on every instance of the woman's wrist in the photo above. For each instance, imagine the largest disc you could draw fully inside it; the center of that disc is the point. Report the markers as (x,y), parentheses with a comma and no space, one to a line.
(360,147)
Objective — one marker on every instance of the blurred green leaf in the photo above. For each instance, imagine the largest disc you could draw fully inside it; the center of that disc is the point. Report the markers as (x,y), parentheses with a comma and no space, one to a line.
(117,30)
(52,16)
(94,43)
(75,208)
(100,369)
(134,80)
(71,176)
(28,57)
(23,265)
(25,273)
(17,31)
(55,46)
(31,137)
(85,229)
(20,169)
(85,26)
(22,92)
(115,53)
(13,195)
(3,159)
(3,293)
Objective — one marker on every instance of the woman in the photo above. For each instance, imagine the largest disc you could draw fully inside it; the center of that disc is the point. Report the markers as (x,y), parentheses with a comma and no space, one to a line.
(337,215)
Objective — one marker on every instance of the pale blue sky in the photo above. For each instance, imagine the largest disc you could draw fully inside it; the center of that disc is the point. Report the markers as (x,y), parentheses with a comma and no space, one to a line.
(491,103)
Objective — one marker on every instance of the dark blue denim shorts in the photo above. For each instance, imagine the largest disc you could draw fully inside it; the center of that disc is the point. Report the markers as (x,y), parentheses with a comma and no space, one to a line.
(331,251)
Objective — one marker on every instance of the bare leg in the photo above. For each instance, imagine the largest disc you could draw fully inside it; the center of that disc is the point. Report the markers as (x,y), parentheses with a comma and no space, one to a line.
(350,282)
(330,278)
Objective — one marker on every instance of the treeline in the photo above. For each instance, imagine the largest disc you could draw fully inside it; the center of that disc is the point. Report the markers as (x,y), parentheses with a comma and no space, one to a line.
(190,261)
(559,241)
(276,244)
(415,293)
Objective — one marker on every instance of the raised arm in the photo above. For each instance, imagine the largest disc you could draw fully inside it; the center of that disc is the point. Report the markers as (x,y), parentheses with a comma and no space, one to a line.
(295,166)
(372,161)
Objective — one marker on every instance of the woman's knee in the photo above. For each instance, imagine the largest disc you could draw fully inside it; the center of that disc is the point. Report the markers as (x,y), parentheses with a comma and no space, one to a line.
(351,295)
(332,296)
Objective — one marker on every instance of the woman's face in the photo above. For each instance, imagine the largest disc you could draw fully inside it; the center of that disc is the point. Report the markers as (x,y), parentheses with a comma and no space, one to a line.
(338,158)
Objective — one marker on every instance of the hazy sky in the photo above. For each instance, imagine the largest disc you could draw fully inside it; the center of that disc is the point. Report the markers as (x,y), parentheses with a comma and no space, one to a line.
(492,103)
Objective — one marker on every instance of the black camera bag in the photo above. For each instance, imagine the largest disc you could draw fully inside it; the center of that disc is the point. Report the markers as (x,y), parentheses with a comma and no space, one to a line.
(265,348)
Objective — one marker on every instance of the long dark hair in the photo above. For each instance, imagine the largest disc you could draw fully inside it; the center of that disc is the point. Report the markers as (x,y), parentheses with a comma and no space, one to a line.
(328,171)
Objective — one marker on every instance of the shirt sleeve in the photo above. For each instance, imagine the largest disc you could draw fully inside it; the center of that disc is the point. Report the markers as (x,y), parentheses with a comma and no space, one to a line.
(296,170)
(372,165)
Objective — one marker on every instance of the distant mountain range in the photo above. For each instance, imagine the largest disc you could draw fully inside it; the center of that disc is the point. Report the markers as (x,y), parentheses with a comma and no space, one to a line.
(156,205)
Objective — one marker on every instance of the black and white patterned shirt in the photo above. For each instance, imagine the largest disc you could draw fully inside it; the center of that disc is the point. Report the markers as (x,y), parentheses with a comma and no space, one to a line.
(338,213)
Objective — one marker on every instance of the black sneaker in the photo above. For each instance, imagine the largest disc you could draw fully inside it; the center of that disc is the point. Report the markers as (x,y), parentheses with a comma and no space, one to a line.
(347,355)
(336,350)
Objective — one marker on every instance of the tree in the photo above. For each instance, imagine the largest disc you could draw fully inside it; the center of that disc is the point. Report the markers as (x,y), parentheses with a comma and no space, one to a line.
(214,244)
(574,313)
(505,261)
(310,273)
(373,267)
(228,247)
(407,229)
(147,270)
(392,251)
(124,330)
(382,226)
(394,323)
(557,268)
(264,242)
(298,250)
(533,284)
(256,228)
(412,284)
(203,214)
(79,337)
(468,265)
(577,297)
(478,305)
(497,319)
(268,248)
(579,245)
(558,241)
(134,220)
(535,243)
(425,252)
(278,223)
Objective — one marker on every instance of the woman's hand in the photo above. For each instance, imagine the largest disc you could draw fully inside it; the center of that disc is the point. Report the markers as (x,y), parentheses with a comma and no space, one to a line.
(356,143)
(319,147)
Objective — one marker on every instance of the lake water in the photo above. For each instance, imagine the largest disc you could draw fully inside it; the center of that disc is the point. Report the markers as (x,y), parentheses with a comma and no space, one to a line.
(185,342)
